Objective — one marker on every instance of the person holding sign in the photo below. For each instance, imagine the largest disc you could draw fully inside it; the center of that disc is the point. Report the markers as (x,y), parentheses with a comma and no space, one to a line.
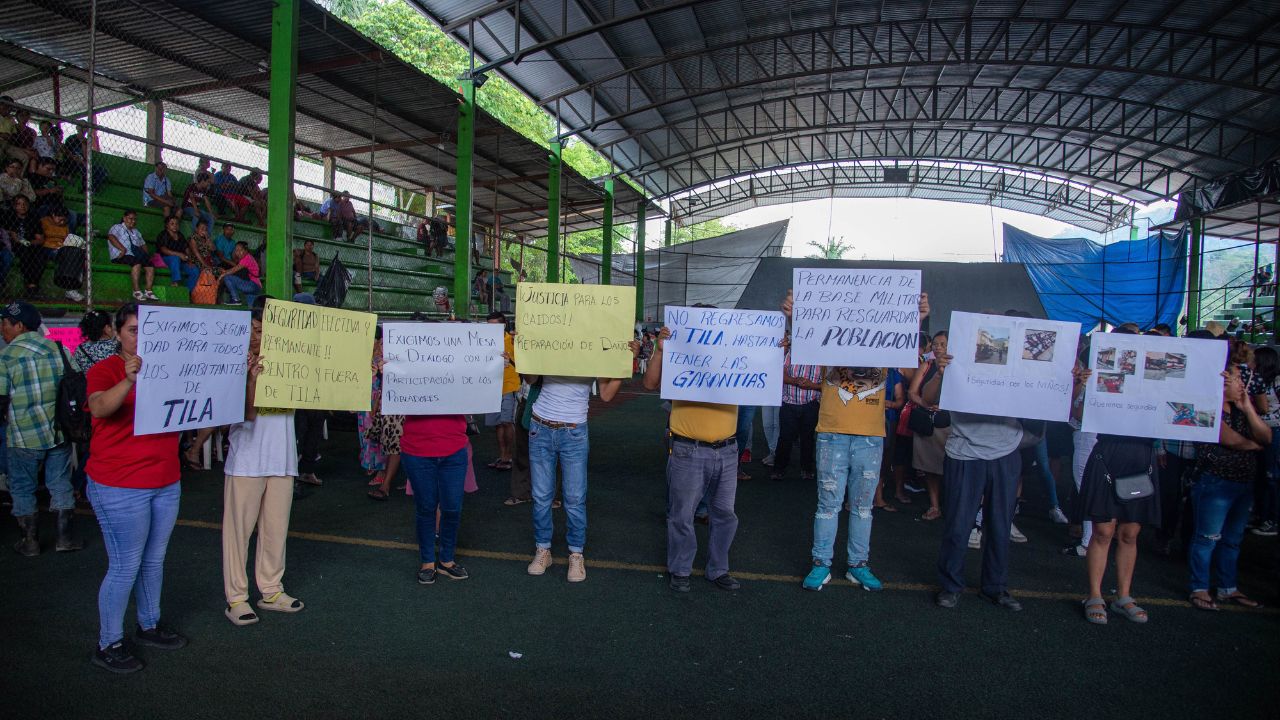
(702,462)
(134,486)
(850,447)
(258,492)
(558,436)
(433,451)
(1222,496)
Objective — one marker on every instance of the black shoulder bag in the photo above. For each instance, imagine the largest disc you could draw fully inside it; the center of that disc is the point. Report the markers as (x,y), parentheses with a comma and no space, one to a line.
(1129,487)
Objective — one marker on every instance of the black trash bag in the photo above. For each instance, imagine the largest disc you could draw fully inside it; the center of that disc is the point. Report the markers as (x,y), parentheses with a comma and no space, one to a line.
(68,268)
(331,291)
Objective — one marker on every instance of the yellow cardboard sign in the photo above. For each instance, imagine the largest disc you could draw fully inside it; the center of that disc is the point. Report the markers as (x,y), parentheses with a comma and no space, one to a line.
(315,358)
(574,330)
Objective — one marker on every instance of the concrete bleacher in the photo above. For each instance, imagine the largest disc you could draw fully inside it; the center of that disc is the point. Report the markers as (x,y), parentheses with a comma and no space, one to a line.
(403,275)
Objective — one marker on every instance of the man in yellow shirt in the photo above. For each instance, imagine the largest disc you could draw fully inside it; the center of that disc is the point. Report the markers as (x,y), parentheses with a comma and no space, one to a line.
(703,460)
(850,445)
(505,419)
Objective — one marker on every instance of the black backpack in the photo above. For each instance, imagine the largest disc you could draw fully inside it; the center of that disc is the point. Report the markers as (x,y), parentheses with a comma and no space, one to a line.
(72,410)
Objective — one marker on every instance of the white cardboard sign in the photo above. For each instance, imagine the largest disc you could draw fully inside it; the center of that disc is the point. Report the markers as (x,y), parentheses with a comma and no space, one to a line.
(1156,387)
(1010,366)
(194,362)
(845,317)
(732,357)
(441,368)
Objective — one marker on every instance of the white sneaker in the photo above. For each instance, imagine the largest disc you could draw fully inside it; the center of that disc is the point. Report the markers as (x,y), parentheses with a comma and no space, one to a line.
(1058,516)
(1015,534)
(541,561)
(151,295)
(577,568)
(139,296)
(73,296)
(975,538)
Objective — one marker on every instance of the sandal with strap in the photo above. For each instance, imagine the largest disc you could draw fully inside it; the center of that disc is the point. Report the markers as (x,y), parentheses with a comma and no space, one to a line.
(1239,598)
(377,493)
(1095,611)
(513,501)
(281,602)
(240,614)
(931,514)
(1130,609)
(1203,602)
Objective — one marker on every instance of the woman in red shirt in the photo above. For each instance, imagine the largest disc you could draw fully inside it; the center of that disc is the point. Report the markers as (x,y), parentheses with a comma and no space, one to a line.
(135,491)
(433,453)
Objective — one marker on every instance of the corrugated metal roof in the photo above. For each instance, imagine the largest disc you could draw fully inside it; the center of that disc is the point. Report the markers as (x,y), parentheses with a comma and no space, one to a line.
(350,94)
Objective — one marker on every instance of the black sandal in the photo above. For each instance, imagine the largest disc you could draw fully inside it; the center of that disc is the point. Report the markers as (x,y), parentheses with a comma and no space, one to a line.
(378,494)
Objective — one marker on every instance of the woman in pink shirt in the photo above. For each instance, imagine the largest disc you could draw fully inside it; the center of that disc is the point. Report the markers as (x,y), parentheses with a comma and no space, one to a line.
(243,277)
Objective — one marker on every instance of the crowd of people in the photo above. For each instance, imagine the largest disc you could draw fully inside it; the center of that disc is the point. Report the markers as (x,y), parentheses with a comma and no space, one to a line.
(869,439)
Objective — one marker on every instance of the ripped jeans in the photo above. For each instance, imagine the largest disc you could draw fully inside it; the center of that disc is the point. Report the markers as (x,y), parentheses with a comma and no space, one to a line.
(848,467)
(1221,509)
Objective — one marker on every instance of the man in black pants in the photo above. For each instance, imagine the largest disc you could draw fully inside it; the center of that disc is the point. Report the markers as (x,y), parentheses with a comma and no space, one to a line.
(308,426)
(798,418)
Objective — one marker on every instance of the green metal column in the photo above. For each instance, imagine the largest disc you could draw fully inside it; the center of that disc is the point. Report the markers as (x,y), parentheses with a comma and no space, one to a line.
(284,78)
(640,261)
(462,199)
(670,229)
(1194,273)
(553,213)
(606,252)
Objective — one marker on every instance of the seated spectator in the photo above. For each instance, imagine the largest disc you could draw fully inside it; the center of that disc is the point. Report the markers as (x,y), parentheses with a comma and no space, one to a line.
(8,130)
(246,195)
(322,213)
(203,165)
(55,228)
(73,158)
(306,265)
(201,249)
(48,191)
(225,247)
(172,249)
(14,183)
(24,140)
(342,217)
(195,201)
(157,191)
(480,288)
(127,247)
(48,144)
(441,297)
(223,182)
(300,209)
(27,239)
(242,278)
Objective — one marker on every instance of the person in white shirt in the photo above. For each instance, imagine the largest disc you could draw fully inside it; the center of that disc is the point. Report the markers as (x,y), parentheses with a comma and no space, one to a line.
(127,247)
(260,471)
(558,435)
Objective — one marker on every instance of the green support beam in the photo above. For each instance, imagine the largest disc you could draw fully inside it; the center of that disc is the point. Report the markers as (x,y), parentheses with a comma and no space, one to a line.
(606,253)
(284,78)
(640,261)
(463,199)
(1194,274)
(670,230)
(553,213)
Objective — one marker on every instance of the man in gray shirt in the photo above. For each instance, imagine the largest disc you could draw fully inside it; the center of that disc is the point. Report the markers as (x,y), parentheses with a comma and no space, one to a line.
(982,468)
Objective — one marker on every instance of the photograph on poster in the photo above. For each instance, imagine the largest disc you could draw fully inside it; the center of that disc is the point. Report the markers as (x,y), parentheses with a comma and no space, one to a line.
(1162,366)
(1186,415)
(1111,382)
(1129,362)
(993,345)
(1107,358)
(1038,345)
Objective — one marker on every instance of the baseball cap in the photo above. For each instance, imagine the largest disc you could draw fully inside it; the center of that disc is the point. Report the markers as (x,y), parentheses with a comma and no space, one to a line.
(22,312)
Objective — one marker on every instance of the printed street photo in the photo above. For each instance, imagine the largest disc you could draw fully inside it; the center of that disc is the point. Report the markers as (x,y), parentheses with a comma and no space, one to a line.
(993,346)
(1111,382)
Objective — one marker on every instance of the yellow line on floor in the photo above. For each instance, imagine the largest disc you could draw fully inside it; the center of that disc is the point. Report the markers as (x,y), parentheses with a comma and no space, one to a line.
(660,569)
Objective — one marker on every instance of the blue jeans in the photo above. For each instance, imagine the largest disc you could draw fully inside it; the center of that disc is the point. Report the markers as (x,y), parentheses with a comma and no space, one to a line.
(746,426)
(238,286)
(24,467)
(437,483)
(6,262)
(136,525)
(848,467)
(1046,474)
(569,447)
(182,272)
(1221,509)
(1269,505)
(696,474)
(191,215)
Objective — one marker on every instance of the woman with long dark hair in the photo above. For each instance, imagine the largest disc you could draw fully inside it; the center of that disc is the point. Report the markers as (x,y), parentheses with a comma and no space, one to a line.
(927,453)
(134,486)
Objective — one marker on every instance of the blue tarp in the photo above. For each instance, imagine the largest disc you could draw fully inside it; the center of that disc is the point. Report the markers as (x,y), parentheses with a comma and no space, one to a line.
(1078,280)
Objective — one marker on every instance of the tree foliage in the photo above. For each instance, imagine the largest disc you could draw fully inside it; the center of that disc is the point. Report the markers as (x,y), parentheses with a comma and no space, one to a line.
(833,249)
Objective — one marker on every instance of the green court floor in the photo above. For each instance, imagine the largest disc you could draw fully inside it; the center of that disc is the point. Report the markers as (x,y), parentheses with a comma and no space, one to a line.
(373,643)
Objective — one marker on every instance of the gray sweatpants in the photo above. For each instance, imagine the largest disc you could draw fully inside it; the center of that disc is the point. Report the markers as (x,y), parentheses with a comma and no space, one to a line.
(693,472)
